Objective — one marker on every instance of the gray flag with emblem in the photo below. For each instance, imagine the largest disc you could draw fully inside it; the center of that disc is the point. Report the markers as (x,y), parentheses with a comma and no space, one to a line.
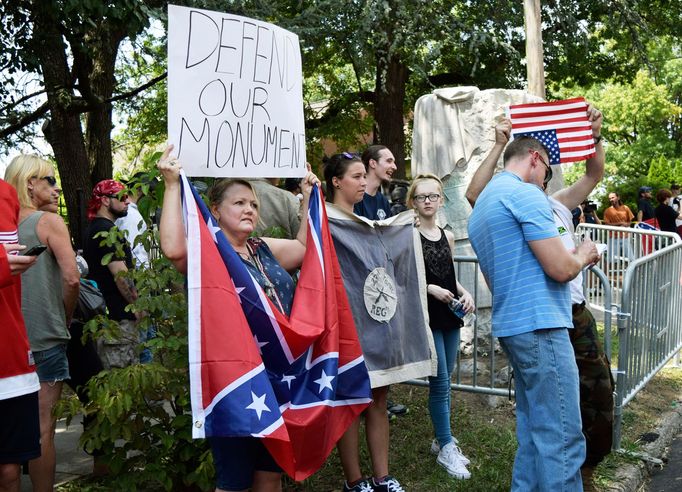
(383,272)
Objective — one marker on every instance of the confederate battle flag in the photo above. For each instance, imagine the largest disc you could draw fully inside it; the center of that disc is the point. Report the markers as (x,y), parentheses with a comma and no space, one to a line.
(296,382)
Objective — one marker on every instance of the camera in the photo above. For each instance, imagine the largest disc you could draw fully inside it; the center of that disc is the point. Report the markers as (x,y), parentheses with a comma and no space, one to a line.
(589,207)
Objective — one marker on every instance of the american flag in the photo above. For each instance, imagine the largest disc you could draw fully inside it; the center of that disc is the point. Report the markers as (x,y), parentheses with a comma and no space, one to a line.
(562,126)
(296,382)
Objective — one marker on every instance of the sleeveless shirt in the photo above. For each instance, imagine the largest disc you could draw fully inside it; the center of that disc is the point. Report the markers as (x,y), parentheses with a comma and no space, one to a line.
(440,271)
(42,302)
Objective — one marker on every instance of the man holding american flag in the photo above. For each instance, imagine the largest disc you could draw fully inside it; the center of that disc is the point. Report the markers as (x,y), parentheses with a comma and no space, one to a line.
(513,232)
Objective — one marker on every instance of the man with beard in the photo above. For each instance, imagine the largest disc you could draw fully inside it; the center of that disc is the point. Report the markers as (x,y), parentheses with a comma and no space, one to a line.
(107,204)
(618,214)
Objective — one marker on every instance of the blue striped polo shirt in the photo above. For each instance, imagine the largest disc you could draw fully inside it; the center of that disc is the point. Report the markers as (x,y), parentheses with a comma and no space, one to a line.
(508,214)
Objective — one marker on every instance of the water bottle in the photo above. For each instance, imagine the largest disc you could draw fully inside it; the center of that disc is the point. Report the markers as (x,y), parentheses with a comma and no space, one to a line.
(457,307)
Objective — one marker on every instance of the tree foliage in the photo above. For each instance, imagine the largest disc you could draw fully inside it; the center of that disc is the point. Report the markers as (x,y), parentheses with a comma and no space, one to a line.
(642,124)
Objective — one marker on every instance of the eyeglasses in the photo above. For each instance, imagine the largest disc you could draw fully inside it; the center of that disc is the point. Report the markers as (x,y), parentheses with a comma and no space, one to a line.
(348,155)
(548,169)
(433,197)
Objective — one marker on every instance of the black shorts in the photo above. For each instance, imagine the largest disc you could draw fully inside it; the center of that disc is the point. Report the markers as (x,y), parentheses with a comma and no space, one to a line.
(237,458)
(19,429)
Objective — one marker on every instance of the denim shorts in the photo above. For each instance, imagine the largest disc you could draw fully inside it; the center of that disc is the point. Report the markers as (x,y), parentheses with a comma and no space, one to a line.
(52,364)
(237,458)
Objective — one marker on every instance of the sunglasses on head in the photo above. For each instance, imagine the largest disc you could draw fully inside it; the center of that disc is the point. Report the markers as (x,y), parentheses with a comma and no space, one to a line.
(348,155)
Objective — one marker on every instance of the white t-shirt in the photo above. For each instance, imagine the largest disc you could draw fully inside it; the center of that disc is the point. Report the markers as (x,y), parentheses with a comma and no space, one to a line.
(564,222)
(134,226)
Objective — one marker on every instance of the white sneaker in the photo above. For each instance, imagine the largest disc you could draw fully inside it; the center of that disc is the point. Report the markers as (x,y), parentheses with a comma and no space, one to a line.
(435,449)
(449,458)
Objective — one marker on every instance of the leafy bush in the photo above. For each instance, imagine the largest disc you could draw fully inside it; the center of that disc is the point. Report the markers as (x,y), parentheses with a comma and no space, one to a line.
(141,414)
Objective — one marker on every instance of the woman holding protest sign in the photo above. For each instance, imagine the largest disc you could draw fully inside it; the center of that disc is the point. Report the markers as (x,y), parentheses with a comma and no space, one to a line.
(346,180)
(241,463)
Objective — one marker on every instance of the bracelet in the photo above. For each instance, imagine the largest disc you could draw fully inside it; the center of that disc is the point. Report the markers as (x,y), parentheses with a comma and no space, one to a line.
(597,139)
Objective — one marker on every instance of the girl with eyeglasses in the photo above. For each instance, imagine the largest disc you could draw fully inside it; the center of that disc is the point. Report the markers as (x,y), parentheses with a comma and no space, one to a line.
(426,197)
(49,291)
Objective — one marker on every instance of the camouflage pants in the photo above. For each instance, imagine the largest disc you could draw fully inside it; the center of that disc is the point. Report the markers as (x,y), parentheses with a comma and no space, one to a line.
(121,352)
(596,385)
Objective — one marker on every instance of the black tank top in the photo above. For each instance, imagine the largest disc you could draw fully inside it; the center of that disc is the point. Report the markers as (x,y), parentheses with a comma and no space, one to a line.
(440,271)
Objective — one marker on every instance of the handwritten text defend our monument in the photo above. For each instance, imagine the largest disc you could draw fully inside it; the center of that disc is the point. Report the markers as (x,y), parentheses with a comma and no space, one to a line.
(235,105)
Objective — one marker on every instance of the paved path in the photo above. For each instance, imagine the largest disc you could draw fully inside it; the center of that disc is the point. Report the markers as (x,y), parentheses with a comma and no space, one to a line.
(72,462)
(669,478)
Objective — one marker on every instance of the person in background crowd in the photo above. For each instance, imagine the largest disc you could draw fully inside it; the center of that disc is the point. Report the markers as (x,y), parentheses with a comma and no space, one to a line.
(398,198)
(645,211)
(380,166)
(618,214)
(346,178)
(676,204)
(19,385)
(49,293)
(577,216)
(665,213)
(108,203)
(425,196)
(513,232)
(590,213)
(279,208)
(241,463)
(676,201)
(596,383)
(293,186)
(134,226)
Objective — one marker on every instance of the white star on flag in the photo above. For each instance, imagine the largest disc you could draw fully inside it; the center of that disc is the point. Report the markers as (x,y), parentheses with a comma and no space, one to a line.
(324,381)
(238,290)
(288,380)
(259,343)
(258,404)
(213,229)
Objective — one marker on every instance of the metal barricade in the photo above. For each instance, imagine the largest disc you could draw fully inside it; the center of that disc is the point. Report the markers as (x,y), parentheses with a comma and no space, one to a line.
(623,246)
(487,367)
(649,324)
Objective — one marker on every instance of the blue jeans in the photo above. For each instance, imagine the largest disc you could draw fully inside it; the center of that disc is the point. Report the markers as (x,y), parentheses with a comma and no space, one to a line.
(548,426)
(619,247)
(447,348)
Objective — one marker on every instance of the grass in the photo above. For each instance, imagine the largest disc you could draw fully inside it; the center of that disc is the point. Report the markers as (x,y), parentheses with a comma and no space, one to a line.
(486,436)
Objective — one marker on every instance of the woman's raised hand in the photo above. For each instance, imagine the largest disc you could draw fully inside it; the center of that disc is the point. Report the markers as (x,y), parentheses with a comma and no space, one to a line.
(308,182)
(169,166)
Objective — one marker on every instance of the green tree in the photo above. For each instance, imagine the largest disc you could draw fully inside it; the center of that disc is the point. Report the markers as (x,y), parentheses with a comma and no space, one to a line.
(69,49)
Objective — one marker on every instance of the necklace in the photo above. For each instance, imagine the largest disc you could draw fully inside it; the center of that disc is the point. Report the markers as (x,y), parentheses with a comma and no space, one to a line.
(431,235)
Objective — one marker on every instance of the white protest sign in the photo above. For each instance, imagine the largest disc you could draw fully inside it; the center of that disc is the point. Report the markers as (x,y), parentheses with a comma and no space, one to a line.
(235,102)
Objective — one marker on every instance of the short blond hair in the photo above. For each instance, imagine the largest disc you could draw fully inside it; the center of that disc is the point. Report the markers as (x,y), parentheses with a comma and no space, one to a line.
(417,181)
(22,168)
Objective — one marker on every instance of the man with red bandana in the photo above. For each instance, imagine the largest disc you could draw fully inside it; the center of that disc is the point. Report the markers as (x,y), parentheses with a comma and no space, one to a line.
(108,203)
(19,428)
